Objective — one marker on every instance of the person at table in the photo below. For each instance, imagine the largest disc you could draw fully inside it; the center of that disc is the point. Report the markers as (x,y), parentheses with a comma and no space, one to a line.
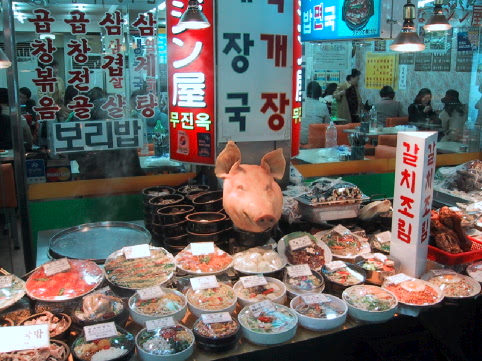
(349,102)
(5,112)
(313,110)
(27,104)
(453,116)
(327,97)
(420,111)
(387,107)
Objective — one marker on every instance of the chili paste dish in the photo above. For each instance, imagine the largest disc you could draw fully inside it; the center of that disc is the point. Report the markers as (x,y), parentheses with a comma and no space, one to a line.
(211,263)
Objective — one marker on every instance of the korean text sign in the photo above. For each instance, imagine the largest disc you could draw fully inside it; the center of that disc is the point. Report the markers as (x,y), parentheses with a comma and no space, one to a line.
(412,202)
(255,65)
(340,19)
(191,86)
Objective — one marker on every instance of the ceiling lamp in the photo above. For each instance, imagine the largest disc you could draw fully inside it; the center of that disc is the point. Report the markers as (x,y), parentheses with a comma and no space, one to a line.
(438,21)
(408,40)
(193,17)
(4,61)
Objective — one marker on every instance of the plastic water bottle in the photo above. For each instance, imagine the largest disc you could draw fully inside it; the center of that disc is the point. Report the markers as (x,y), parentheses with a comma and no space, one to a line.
(330,137)
(157,138)
(470,138)
(334,110)
(373,118)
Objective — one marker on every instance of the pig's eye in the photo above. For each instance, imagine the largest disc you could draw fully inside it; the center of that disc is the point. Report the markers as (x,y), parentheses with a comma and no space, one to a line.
(240,187)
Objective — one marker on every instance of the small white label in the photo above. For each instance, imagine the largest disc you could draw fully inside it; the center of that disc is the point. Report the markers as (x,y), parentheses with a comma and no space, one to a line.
(300,242)
(441,272)
(100,330)
(52,268)
(335,265)
(160,323)
(216,317)
(6,281)
(341,230)
(201,248)
(260,307)
(139,251)
(398,278)
(150,293)
(367,255)
(384,237)
(318,298)
(253,281)
(299,270)
(24,337)
(201,283)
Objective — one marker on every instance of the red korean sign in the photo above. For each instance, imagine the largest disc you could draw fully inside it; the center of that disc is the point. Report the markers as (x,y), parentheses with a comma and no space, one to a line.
(297,79)
(191,86)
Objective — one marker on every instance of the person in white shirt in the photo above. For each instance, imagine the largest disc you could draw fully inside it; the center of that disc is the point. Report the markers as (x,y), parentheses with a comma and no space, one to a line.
(313,111)
(327,97)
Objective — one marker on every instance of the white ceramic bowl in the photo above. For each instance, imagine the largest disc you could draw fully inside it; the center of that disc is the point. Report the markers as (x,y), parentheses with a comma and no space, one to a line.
(369,316)
(180,356)
(141,318)
(198,311)
(261,338)
(238,286)
(292,291)
(321,324)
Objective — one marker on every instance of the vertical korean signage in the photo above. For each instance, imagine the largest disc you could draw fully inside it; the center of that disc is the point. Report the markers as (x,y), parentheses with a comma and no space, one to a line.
(255,62)
(412,202)
(297,79)
(340,19)
(191,86)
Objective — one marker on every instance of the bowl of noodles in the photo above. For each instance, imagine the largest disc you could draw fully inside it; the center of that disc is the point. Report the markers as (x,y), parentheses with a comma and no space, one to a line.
(172,304)
(211,300)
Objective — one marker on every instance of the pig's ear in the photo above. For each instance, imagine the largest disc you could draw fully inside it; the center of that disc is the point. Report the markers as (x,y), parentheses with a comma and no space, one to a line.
(274,163)
(229,158)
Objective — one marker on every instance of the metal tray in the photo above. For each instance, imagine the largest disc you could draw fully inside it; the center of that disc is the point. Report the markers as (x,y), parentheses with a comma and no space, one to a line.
(96,241)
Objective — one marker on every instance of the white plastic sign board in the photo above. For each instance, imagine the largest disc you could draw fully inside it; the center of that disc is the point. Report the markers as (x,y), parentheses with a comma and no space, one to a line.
(412,201)
(150,293)
(201,248)
(384,237)
(100,330)
(315,298)
(139,251)
(160,323)
(216,317)
(253,281)
(300,270)
(52,268)
(300,242)
(262,307)
(335,265)
(201,283)
(398,278)
(17,338)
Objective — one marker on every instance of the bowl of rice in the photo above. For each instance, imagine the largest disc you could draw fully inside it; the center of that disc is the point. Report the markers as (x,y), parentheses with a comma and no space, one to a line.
(173,343)
(172,304)
(117,348)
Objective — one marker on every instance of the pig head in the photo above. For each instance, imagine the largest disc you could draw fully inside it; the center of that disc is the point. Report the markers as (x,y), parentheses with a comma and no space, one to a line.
(251,197)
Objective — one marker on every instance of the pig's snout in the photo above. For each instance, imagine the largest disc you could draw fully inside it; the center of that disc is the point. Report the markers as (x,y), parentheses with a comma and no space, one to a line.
(266,221)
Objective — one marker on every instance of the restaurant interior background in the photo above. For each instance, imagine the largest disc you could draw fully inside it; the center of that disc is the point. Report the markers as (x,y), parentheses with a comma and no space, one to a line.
(443,65)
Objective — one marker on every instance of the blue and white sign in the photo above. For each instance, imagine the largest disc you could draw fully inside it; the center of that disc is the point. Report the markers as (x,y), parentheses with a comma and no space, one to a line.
(340,19)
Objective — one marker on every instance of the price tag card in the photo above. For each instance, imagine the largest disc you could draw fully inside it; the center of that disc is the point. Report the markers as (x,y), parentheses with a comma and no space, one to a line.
(299,270)
(384,237)
(52,268)
(100,330)
(300,242)
(200,248)
(317,298)
(6,281)
(139,251)
(201,283)
(150,293)
(334,265)
(368,255)
(260,307)
(253,281)
(341,230)
(398,278)
(17,338)
(441,272)
(160,323)
(216,317)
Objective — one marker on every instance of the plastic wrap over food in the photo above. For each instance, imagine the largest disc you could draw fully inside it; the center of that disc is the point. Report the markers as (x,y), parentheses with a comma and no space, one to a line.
(328,190)
(465,178)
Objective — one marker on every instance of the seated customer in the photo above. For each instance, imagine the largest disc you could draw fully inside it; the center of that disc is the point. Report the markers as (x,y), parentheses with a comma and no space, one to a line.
(327,97)
(453,116)
(421,109)
(313,110)
(5,112)
(387,107)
